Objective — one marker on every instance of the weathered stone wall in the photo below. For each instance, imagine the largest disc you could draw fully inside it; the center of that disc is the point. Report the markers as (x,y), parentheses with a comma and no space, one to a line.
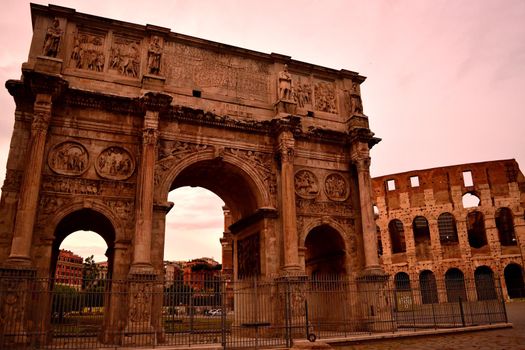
(497,184)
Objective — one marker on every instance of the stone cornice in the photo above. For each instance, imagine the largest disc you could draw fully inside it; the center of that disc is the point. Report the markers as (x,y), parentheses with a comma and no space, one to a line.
(363,135)
(198,116)
(110,103)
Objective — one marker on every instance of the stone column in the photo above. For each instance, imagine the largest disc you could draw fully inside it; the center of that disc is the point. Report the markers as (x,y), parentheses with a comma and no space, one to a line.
(144,195)
(361,160)
(143,311)
(30,187)
(285,150)
(153,104)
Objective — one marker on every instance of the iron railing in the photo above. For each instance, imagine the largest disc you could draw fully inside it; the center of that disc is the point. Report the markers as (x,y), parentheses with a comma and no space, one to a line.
(41,313)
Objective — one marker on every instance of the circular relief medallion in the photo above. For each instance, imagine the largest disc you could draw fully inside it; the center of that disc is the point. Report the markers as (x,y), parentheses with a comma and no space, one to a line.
(336,187)
(306,185)
(115,163)
(68,158)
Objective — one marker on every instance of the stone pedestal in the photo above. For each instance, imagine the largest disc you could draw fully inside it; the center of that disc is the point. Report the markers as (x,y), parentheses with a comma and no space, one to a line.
(48,65)
(291,305)
(153,82)
(285,107)
(16,311)
(139,329)
(376,306)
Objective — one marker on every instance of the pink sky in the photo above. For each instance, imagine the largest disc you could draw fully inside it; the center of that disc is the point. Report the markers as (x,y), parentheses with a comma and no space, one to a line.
(445,78)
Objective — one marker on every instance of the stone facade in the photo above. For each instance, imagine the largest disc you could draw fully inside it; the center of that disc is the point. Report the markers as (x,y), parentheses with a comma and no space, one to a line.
(427,222)
(111,116)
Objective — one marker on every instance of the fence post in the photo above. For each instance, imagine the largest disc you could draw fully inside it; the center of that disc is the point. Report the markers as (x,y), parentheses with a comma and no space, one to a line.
(288,314)
(461,312)
(434,316)
(223,313)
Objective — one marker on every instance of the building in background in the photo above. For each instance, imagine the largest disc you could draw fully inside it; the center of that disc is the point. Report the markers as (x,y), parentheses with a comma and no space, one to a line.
(456,223)
(69,269)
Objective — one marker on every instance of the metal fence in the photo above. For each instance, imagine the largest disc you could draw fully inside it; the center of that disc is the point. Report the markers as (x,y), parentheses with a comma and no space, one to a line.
(40,313)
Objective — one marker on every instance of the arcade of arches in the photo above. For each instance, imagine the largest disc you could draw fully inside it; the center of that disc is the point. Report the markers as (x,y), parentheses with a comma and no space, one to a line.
(98,146)
(454,225)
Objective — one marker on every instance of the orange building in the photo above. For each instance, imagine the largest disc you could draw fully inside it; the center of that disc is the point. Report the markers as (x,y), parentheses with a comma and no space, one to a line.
(69,269)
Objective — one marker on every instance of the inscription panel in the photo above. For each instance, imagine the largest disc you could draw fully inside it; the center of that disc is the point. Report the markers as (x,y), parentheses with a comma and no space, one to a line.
(220,73)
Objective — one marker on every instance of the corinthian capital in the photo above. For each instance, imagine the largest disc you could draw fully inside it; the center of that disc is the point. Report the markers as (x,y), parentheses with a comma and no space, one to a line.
(362,163)
(40,122)
(149,136)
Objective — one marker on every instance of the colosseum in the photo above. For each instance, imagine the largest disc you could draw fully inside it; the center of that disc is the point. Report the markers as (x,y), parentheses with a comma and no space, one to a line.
(466,222)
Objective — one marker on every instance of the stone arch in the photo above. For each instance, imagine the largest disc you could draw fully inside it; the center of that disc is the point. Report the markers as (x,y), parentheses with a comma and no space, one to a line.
(485,284)
(448,232)
(260,186)
(318,222)
(513,274)
(455,285)
(95,205)
(325,252)
(402,281)
(397,236)
(477,236)
(88,216)
(505,226)
(421,231)
(428,287)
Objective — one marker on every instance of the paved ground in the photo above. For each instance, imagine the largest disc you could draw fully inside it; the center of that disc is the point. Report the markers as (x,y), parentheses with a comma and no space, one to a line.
(503,339)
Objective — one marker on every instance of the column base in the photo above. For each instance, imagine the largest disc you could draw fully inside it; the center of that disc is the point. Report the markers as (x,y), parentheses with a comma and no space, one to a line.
(141,269)
(17,263)
(293,270)
(374,271)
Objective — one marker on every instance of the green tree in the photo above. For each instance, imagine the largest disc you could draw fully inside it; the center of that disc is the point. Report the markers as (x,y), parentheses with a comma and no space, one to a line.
(90,272)
(65,300)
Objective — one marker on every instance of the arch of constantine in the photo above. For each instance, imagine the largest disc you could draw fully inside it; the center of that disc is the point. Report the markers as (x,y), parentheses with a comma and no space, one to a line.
(112,116)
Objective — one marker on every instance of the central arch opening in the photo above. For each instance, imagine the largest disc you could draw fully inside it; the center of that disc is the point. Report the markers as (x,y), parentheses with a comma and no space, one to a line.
(82,260)
(235,198)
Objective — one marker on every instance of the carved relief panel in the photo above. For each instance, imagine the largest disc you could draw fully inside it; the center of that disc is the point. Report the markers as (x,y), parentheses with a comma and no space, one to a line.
(306,184)
(248,256)
(336,187)
(68,158)
(115,163)
(88,51)
(140,301)
(302,92)
(125,56)
(325,97)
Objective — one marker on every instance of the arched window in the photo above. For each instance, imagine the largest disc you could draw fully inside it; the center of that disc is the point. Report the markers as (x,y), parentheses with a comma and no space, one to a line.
(448,232)
(402,281)
(477,237)
(397,236)
(403,292)
(514,281)
(428,286)
(455,285)
(421,237)
(505,225)
(485,288)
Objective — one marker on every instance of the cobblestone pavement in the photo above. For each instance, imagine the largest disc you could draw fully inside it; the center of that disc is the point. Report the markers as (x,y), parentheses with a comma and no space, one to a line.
(502,339)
